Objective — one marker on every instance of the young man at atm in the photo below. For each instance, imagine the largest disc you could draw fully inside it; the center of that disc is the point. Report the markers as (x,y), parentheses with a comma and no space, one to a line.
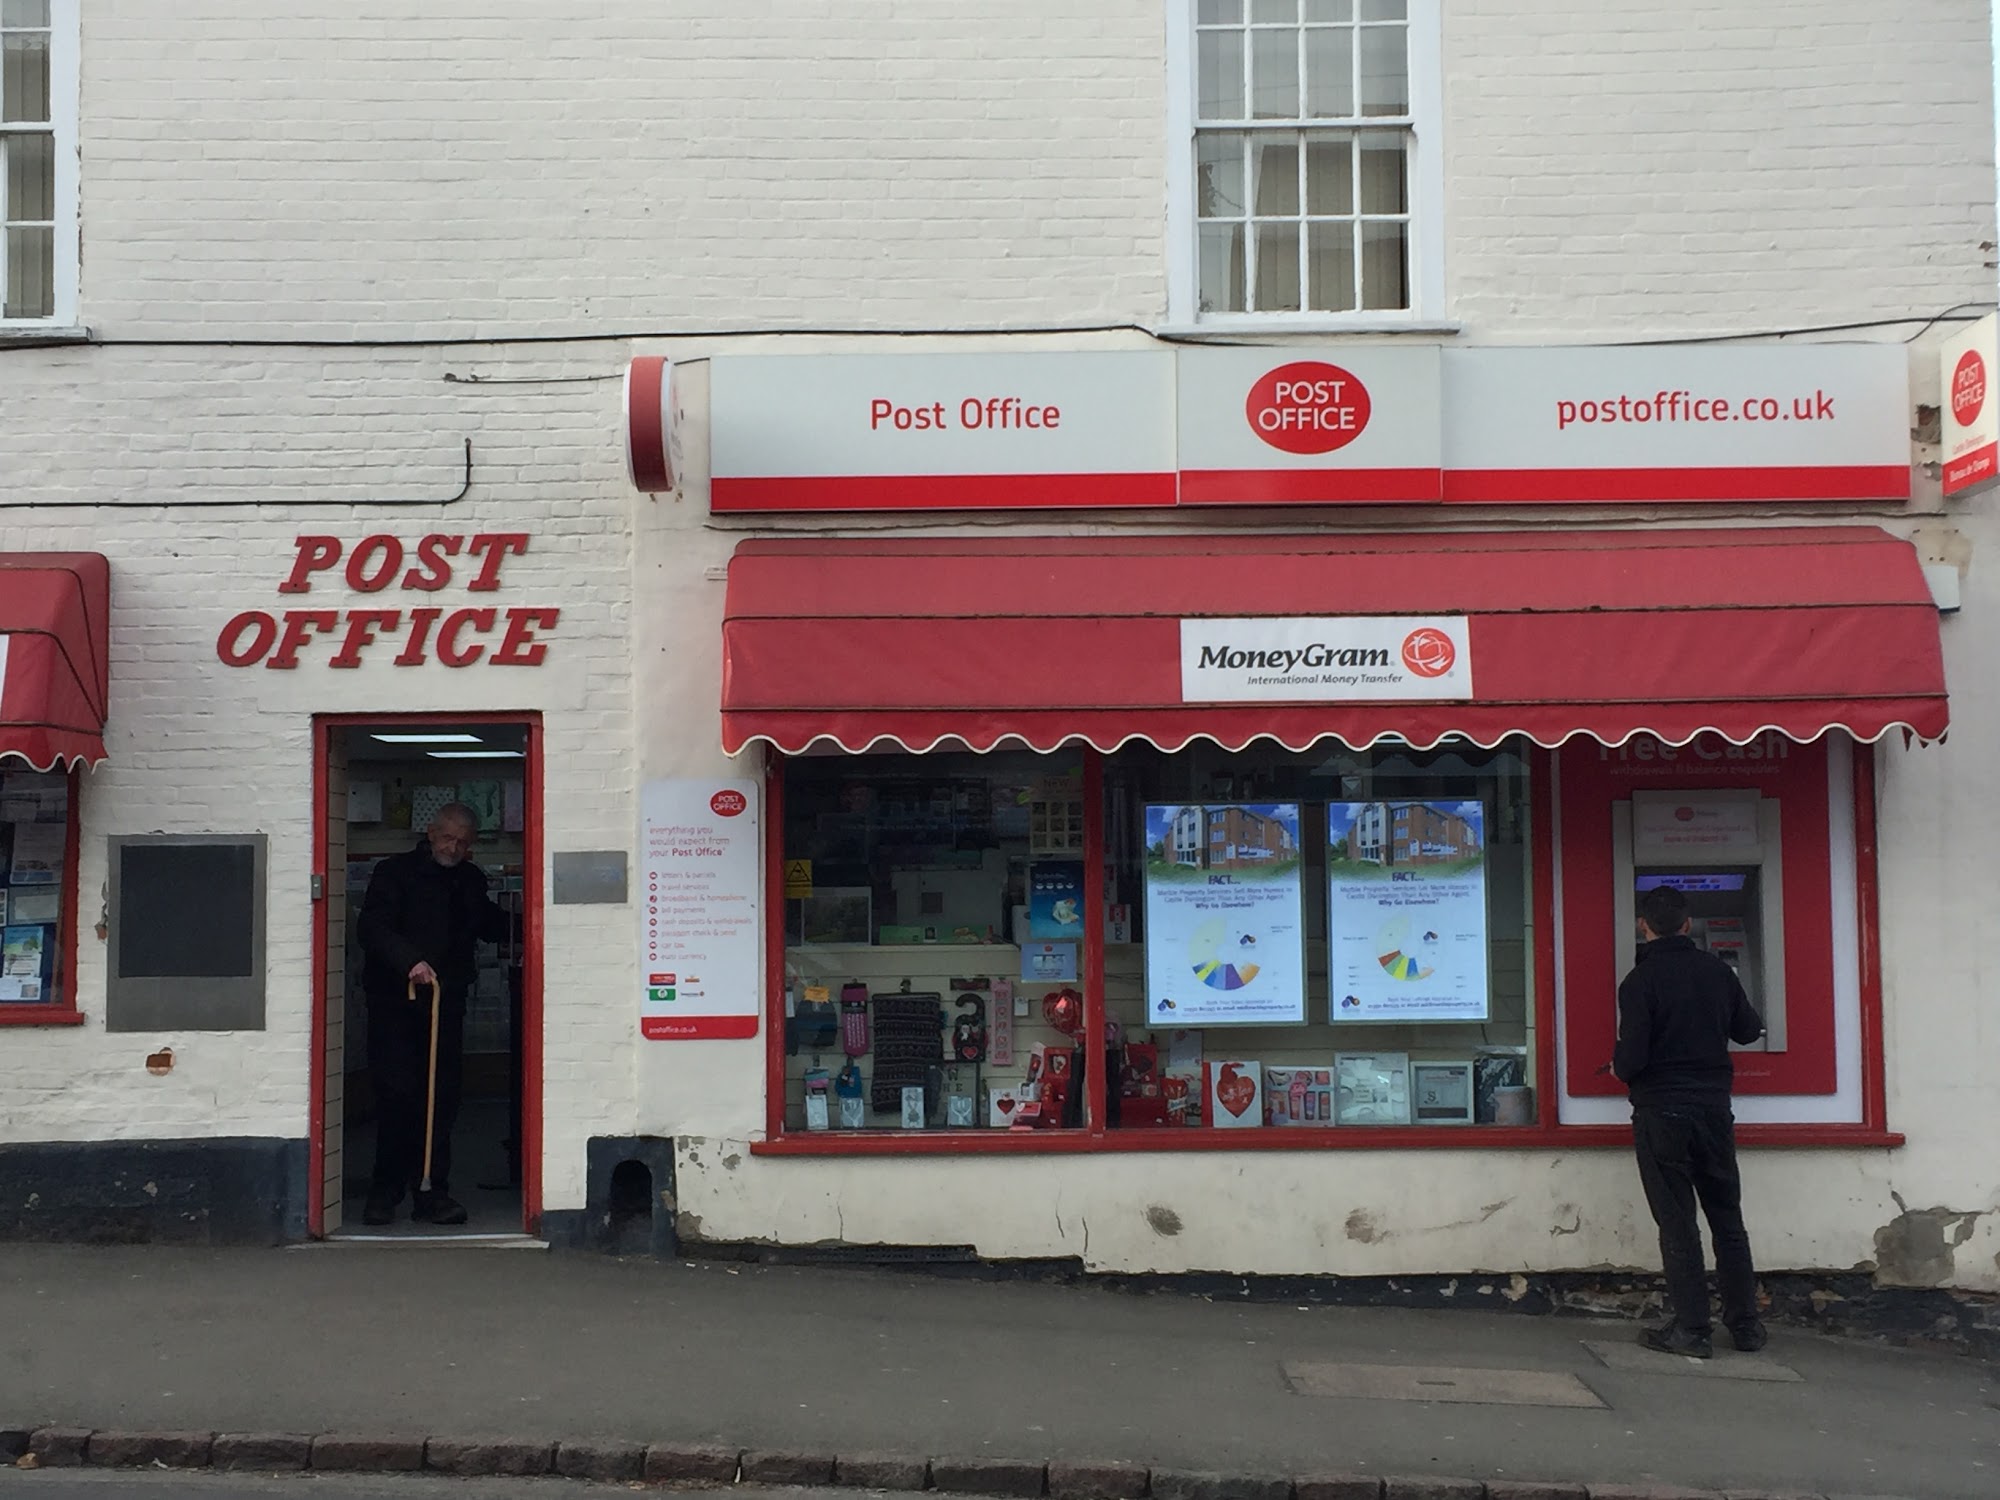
(1678,1011)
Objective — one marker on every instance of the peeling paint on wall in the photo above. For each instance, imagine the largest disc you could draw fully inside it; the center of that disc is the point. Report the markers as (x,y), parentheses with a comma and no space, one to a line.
(1918,1247)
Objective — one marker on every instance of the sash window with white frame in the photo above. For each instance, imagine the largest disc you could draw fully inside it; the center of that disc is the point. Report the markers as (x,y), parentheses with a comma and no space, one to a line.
(38,91)
(1305,133)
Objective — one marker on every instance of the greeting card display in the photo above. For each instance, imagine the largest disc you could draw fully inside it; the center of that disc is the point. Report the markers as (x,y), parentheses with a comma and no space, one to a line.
(1233,1094)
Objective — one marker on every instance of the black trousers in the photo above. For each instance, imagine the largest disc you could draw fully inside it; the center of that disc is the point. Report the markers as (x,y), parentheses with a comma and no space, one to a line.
(399,1056)
(1688,1153)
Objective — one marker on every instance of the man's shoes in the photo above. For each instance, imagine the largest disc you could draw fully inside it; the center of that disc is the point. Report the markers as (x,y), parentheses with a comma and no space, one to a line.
(380,1207)
(438,1208)
(1673,1339)
(1750,1336)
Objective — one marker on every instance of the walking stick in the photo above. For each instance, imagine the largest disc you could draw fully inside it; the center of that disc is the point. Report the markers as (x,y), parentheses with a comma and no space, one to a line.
(430,1083)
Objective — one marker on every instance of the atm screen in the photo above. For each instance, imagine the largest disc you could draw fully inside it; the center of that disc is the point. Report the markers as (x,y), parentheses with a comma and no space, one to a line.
(1692,881)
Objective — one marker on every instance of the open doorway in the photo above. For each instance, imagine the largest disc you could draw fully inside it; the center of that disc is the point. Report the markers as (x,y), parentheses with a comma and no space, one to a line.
(384,783)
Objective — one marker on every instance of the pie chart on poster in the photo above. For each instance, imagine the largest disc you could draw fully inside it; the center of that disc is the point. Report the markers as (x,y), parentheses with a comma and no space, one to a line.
(1392,946)
(1224,958)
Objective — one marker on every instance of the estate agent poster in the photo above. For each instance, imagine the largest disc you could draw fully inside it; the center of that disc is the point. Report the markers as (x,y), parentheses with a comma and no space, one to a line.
(1406,911)
(1224,941)
(699,958)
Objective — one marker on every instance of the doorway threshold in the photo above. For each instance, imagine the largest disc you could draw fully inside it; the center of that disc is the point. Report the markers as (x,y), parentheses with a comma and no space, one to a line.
(476,1241)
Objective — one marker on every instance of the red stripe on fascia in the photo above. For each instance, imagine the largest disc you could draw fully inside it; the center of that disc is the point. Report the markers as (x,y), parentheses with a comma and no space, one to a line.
(1612,486)
(697,1028)
(1978,464)
(646,435)
(944,492)
(1310,486)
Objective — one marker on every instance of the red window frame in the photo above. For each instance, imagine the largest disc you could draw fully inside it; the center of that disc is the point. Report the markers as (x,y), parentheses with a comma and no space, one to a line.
(1095,1136)
(62,1009)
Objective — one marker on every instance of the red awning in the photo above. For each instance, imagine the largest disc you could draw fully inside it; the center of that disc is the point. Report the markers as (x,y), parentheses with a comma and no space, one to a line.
(982,641)
(55,616)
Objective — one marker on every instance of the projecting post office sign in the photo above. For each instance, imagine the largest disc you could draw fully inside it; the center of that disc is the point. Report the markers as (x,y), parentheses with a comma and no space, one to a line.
(1337,659)
(455,632)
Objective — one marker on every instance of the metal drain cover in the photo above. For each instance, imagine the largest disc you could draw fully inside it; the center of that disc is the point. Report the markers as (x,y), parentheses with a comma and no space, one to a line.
(1452,1383)
(1626,1356)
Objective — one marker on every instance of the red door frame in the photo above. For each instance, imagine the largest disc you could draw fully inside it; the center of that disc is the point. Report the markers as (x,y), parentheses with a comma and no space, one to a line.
(531,954)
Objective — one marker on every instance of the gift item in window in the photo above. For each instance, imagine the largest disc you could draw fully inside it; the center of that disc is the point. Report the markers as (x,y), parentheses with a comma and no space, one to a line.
(1373,1088)
(854,1018)
(816,1090)
(909,1043)
(958,1101)
(1049,1092)
(1441,1093)
(848,1090)
(1063,1010)
(968,1032)
(1233,1094)
(1298,1096)
(1494,1073)
(817,1022)
(1142,1099)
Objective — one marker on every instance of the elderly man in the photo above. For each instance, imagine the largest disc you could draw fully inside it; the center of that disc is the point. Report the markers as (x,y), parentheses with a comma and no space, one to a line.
(423,912)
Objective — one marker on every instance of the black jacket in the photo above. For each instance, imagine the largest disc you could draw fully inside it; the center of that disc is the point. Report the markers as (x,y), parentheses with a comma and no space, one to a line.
(417,911)
(1678,1011)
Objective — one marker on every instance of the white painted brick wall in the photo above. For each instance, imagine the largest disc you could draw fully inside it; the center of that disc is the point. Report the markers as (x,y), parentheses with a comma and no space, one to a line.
(329,170)
(1613,170)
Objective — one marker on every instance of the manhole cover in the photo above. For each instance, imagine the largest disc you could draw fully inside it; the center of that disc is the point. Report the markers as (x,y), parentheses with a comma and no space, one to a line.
(1439,1383)
(1628,1356)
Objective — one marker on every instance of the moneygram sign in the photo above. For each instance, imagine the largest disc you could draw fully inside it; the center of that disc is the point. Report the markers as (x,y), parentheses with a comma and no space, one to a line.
(1338,659)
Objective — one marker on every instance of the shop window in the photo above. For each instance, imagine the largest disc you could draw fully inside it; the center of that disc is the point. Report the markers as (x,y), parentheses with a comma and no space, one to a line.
(1356,950)
(933,919)
(37,887)
(1333,940)
(1313,162)
(187,933)
(38,155)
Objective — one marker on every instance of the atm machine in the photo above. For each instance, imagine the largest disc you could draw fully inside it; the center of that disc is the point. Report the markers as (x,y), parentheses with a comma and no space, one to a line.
(1722,850)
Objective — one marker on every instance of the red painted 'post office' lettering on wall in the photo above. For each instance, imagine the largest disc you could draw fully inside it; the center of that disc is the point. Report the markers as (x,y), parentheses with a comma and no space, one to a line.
(463,637)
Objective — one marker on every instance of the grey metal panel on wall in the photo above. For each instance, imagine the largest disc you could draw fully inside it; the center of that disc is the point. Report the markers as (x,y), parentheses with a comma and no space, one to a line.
(187,932)
(590,877)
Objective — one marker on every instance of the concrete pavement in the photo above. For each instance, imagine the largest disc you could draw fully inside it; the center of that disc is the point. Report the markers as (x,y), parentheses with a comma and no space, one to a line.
(477,1343)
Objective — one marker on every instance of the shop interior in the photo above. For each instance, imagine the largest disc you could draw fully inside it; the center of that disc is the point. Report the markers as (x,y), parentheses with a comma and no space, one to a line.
(1322,940)
(395,777)
(34,855)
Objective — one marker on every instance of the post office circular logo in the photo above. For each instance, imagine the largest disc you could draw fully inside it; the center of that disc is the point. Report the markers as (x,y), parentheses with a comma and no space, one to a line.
(1968,387)
(1308,407)
(1428,652)
(727,804)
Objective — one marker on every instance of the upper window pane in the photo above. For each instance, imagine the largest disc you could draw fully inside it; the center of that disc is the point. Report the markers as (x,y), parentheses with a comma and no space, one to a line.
(1330,72)
(24,77)
(1220,64)
(1274,74)
(1385,73)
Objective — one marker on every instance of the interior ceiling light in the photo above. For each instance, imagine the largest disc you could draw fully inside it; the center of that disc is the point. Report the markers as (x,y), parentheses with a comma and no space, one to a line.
(476,754)
(427,739)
